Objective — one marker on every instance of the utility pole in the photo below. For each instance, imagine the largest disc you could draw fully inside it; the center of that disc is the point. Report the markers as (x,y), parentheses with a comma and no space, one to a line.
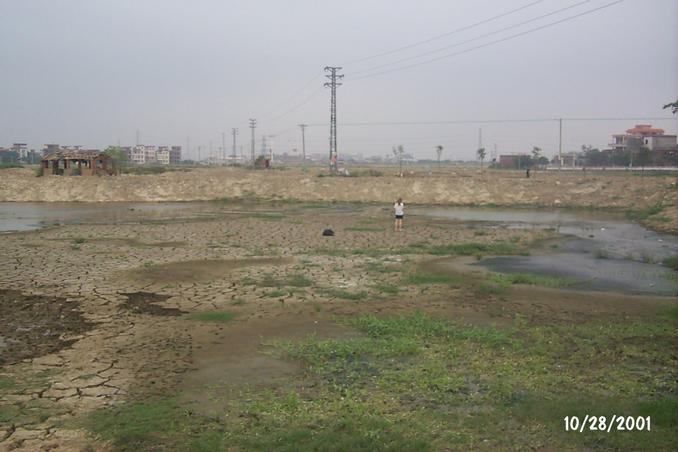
(223,148)
(303,142)
(333,114)
(253,125)
(270,149)
(234,131)
(560,143)
(264,146)
(137,137)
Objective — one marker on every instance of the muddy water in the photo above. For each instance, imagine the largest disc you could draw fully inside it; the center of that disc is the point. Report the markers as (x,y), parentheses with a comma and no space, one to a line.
(603,251)
(26,216)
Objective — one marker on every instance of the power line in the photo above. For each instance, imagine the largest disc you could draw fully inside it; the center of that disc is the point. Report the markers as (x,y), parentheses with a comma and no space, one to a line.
(440,49)
(497,41)
(490,121)
(449,33)
(304,102)
(293,97)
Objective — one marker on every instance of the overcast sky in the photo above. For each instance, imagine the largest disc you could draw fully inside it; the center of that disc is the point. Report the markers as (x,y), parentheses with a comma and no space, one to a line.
(418,73)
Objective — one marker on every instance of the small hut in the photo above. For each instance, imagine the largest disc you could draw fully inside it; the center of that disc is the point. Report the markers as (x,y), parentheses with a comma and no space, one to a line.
(78,163)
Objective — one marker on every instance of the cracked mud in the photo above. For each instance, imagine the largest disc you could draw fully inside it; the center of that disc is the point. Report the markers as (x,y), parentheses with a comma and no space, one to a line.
(36,325)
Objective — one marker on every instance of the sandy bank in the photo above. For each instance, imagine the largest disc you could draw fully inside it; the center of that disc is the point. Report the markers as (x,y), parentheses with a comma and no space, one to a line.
(456,186)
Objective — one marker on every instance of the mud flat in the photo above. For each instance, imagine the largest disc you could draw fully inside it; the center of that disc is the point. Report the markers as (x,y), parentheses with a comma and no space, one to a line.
(251,330)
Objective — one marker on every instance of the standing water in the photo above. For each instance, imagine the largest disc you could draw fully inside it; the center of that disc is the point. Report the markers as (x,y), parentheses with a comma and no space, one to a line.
(602,251)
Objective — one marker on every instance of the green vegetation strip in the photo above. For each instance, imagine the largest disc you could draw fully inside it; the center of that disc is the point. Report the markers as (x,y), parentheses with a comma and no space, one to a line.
(671,262)
(462,249)
(507,279)
(214,316)
(422,383)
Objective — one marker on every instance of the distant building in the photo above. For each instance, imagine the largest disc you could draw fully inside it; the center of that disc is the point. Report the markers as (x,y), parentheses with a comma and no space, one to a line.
(137,155)
(21,149)
(78,162)
(512,161)
(643,135)
(50,149)
(175,155)
(162,155)
(151,154)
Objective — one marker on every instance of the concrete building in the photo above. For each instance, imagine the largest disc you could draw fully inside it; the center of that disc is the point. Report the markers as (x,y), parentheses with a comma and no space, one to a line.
(175,155)
(643,135)
(162,155)
(21,149)
(137,155)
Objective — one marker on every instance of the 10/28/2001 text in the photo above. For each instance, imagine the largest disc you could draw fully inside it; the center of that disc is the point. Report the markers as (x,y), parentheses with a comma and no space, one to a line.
(605,424)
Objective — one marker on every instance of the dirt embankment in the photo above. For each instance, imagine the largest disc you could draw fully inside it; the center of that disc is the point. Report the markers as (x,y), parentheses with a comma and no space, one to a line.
(460,186)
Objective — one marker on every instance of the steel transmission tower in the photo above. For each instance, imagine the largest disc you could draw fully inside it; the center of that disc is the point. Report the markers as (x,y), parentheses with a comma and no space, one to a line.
(333,114)
(303,142)
(234,132)
(253,125)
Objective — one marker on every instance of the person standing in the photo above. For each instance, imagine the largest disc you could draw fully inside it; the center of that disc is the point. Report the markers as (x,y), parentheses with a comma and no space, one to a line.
(399,206)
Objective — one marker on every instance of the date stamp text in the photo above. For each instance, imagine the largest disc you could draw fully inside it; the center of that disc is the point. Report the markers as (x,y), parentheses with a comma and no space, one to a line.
(607,424)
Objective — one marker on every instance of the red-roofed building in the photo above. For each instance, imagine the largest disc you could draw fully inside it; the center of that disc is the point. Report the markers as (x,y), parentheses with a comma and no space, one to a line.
(644,135)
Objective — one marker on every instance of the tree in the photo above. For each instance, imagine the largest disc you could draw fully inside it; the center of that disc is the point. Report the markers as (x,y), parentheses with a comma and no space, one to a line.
(596,158)
(439,151)
(118,156)
(398,152)
(673,106)
(536,155)
(481,155)
(643,157)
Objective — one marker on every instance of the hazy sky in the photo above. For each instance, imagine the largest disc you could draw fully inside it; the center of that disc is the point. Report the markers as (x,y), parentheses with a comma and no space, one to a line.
(92,73)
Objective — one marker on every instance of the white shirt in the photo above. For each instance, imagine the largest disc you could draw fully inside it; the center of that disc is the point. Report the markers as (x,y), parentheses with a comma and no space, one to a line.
(398,208)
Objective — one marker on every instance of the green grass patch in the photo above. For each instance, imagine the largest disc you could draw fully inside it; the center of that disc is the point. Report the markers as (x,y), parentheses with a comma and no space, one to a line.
(420,277)
(671,262)
(485,289)
(388,289)
(10,165)
(293,280)
(507,279)
(214,316)
(418,382)
(644,212)
(473,249)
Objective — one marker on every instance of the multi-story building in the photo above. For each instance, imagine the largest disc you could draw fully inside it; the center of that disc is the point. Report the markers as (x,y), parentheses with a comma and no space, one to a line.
(137,155)
(175,155)
(151,156)
(162,155)
(643,135)
(21,149)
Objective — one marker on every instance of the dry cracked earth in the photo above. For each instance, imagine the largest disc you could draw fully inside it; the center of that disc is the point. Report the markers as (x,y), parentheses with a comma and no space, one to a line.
(99,314)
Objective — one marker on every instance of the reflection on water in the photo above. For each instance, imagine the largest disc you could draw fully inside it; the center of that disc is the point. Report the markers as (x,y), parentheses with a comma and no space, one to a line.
(26,216)
(604,252)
